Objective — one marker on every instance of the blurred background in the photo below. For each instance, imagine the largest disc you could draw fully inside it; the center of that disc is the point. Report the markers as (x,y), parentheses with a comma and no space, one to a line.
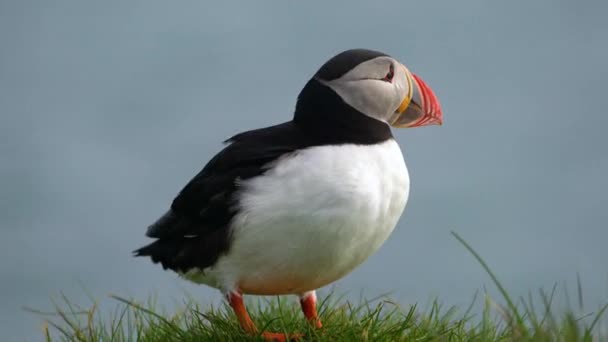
(108,108)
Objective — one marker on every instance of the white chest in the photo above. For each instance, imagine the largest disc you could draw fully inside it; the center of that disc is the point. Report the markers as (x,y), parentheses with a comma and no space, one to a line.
(314,217)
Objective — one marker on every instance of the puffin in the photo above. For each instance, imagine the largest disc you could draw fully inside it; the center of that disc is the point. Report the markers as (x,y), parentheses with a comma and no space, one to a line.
(290,208)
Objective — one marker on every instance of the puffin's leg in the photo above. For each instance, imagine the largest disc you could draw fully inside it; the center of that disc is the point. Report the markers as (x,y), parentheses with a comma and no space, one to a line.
(235,299)
(308,301)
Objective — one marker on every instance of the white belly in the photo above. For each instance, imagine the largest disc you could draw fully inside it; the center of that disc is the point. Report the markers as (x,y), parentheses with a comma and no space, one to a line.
(312,219)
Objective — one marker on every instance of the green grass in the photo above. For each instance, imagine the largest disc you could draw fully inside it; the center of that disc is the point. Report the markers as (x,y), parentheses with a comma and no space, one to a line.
(379,319)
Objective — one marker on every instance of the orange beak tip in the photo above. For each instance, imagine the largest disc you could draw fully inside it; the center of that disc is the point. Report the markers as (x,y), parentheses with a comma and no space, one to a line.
(430,103)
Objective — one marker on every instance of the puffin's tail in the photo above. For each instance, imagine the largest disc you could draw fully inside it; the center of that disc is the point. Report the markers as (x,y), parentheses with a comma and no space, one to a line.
(160,252)
(175,246)
(181,254)
(169,247)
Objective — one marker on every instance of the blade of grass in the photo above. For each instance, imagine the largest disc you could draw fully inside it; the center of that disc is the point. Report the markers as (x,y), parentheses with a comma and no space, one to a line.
(498,284)
(138,307)
(579,289)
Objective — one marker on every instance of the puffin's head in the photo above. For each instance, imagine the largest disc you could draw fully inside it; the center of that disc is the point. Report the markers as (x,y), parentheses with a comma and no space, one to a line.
(380,87)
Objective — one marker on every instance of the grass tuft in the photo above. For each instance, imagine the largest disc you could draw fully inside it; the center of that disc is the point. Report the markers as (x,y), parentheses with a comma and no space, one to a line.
(379,319)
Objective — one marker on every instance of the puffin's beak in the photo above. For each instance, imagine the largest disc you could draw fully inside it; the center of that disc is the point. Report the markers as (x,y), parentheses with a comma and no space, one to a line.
(420,108)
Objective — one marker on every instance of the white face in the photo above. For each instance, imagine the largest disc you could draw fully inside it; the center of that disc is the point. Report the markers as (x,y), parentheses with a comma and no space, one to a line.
(367,88)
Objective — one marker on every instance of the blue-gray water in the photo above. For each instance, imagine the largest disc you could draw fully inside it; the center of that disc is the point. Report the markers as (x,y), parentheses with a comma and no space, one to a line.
(107,108)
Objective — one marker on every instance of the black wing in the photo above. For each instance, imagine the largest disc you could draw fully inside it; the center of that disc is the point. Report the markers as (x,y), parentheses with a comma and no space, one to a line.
(195,232)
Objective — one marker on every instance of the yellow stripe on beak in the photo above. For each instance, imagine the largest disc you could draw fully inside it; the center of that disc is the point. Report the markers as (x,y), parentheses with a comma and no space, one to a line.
(408,98)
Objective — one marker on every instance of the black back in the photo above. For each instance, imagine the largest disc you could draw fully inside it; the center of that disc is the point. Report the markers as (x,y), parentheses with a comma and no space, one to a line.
(196,231)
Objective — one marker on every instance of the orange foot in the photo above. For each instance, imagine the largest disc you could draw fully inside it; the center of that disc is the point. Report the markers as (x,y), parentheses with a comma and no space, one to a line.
(309,307)
(308,301)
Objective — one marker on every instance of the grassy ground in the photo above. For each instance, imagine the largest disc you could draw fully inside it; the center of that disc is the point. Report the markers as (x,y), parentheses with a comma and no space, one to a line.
(374,320)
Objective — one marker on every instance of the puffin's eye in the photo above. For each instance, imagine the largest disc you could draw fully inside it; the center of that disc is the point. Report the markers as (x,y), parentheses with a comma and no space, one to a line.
(390,74)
